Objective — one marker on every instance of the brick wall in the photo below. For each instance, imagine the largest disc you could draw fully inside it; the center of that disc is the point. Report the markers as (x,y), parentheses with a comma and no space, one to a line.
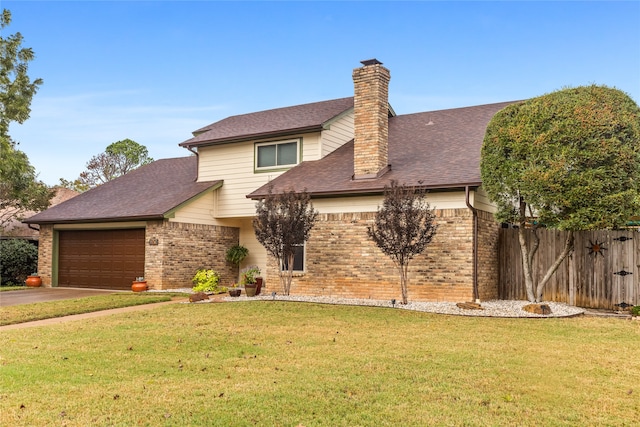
(182,249)
(45,254)
(342,261)
(488,231)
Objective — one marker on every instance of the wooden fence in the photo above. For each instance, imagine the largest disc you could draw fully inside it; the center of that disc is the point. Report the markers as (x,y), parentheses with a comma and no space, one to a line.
(602,272)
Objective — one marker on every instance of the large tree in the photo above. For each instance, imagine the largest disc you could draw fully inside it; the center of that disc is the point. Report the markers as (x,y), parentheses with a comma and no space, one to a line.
(118,159)
(282,223)
(568,160)
(403,228)
(20,191)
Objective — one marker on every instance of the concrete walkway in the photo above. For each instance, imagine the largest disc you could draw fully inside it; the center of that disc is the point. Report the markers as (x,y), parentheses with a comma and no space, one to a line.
(93,314)
(41,294)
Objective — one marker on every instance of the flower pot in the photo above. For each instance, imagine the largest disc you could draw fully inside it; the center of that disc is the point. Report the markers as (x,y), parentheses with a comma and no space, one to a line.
(235,292)
(33,281)
(137,286)
(250,289)
(259,283)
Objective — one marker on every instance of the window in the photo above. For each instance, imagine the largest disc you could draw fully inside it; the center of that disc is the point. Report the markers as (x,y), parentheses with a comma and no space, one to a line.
(273,155)
(298,259)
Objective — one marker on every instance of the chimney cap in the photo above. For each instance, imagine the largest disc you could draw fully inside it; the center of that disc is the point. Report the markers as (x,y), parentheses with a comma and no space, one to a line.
(373,61)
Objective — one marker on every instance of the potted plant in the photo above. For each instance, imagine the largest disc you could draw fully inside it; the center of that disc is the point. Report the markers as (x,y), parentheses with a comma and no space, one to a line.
(248,279)
(235,291)
(236,253)
(33,280)
(139,285)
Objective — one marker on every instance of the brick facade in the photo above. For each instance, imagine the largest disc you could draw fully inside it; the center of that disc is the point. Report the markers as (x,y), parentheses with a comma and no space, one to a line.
(488,232)
(182,249)
(342,261)
(45,255)
(371,119)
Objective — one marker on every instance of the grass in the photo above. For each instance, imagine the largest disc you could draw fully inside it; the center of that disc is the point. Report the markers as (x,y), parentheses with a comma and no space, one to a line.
(12,288)
(46,310)
(290,364)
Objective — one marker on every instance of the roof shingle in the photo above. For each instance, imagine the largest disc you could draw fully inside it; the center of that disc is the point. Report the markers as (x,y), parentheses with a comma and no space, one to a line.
(437,150)
(276,122)
(145,193)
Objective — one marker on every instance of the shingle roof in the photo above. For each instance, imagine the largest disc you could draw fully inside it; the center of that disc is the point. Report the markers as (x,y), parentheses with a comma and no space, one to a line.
(145,193)
(437,150)
(277,122)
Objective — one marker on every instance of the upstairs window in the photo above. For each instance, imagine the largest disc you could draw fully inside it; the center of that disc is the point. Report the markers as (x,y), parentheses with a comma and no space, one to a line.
(273,155)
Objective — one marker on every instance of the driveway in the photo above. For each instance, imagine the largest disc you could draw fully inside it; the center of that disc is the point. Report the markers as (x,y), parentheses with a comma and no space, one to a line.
(41,294)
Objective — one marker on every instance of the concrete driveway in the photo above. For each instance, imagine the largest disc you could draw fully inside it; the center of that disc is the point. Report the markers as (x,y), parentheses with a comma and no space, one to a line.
(32,295)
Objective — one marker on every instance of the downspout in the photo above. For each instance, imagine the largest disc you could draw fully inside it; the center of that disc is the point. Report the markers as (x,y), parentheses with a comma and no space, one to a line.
(476,296)
(197,161)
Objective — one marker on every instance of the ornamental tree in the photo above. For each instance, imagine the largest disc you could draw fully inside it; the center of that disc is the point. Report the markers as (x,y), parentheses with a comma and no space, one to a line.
(403,228)
(568,160)
(283,222)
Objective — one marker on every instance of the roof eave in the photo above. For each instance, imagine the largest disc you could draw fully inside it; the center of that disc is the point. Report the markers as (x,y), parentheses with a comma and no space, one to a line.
(152,217)
(373,191)
(262,135)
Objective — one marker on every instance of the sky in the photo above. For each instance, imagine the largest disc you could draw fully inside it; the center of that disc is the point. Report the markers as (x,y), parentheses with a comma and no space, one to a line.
(154,71)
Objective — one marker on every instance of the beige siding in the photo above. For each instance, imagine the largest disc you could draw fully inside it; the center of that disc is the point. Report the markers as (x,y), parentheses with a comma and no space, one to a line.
(339,133)
(448,200)
(199,211)
(234,163)
(481,201)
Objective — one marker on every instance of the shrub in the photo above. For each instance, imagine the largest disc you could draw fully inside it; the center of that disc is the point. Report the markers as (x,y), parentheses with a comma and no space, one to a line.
(635,310)
(207,281)
(18,259)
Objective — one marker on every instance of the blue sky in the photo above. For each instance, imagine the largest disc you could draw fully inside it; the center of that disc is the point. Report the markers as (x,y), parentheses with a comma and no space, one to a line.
(154,71)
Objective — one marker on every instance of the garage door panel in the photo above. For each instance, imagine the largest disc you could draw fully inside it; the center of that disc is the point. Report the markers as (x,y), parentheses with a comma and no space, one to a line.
(108,259)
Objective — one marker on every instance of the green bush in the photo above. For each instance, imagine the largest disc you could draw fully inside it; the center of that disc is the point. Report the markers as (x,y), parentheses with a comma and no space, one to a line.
(18,259)
(207,281)
(635,310)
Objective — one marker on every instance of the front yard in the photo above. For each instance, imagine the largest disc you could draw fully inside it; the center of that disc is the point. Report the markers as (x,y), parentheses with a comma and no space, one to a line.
(290,364)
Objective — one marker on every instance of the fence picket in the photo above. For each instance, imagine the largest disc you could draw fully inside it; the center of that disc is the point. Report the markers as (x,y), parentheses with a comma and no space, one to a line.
(588,278)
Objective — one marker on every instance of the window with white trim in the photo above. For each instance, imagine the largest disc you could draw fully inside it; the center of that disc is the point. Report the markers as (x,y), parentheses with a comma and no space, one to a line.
(298,259)
(271,155)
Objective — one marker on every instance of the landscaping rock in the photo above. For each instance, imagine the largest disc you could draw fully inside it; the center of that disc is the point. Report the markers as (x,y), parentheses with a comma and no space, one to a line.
(469,306)
(543,309)
(200,296)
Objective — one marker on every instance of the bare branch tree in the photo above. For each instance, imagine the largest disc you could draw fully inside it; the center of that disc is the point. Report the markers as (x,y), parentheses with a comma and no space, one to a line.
(284,221)
(403,228)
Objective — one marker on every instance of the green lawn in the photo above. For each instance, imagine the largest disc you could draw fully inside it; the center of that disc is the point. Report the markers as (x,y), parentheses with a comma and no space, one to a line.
(47,310)
(288,364)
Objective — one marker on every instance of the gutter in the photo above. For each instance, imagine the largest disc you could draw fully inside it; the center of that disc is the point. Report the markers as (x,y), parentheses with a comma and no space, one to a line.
(188,147)
(476,295)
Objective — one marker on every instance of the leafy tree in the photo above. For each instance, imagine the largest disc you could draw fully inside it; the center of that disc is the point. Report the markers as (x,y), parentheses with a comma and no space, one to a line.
(16,88)
(119,158)
(283,221)
(403,228)
(18,259)
(567,160)
(75,185)
(20,191)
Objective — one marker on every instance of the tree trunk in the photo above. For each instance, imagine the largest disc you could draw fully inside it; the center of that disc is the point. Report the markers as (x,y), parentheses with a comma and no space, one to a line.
(404,279)
(568,248)
(534,291)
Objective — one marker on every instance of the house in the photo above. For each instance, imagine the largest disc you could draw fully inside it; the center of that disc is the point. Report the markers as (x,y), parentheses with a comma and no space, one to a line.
(167,219)
(15,229)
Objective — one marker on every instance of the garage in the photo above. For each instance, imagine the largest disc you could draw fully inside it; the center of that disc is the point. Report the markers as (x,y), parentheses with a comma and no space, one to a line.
(101,259)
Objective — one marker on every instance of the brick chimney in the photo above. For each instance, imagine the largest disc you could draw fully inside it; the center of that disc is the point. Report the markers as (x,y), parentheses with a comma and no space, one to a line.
(371,119)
